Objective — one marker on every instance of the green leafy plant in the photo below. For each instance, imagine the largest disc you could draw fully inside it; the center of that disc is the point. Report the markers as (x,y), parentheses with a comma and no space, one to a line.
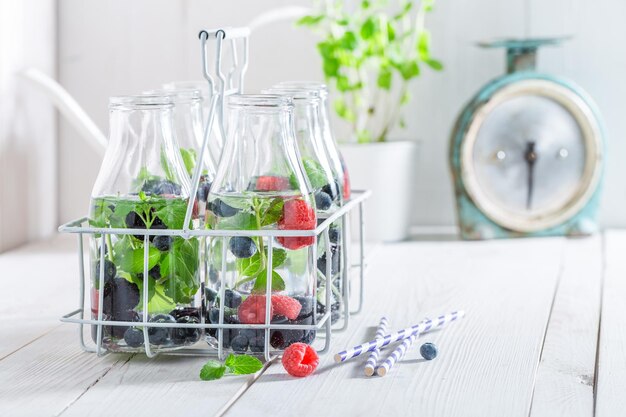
(233,365)
(370,56)
(176,280)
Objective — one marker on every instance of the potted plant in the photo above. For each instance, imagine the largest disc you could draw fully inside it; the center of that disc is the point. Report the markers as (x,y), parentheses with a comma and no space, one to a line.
(370,56)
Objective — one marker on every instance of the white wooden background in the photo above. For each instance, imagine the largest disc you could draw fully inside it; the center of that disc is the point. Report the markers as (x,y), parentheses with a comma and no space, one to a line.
(117,46)
(532,343)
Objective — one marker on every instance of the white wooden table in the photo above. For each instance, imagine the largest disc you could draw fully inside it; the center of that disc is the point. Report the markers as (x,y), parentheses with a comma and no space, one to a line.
(532,343)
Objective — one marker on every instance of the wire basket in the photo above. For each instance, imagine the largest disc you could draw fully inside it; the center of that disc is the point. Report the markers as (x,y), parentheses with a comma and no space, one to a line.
(82,229)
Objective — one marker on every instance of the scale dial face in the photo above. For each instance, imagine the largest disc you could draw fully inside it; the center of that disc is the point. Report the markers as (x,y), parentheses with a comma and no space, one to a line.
(531,157)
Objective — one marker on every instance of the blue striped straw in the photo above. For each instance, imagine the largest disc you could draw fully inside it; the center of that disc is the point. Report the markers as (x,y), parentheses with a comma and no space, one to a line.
(396,355)
(422,327)
(372,360)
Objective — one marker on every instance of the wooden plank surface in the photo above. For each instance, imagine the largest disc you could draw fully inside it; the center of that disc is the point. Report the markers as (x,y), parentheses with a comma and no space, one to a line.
(565,378)
(611,379)
(487,362)
(39,284)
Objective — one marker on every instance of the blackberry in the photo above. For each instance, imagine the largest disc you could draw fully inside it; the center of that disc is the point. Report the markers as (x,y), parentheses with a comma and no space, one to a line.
(186,335)
(133,337)
(119,295)
(222,209)
(160,335)
(242,246)
(162,243)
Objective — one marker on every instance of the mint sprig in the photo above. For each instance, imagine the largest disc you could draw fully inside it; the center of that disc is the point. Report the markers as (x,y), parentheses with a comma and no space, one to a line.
(233,365)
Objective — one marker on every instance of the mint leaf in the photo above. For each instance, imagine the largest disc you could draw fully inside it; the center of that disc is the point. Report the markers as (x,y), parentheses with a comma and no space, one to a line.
(240,221)
(278,257)
(242,364)
(212,370)
(172,214)
(273,212)
(189,159)
(250,267)
(131,260)
(180,268)
(159,302)
(260,284)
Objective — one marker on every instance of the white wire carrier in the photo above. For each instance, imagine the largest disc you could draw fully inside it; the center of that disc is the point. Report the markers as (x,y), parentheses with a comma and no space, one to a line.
(81,228)
(224,87)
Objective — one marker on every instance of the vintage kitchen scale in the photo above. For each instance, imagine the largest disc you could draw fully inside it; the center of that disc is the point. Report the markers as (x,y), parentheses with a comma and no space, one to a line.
(527,153)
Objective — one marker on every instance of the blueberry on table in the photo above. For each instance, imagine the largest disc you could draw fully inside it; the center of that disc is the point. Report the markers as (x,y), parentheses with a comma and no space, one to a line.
(222,209)
(232,298)
(162,243)
(239,343)
(160,335)
(428,351)
(133,337)
(109,270)
(242,246)
(323,201)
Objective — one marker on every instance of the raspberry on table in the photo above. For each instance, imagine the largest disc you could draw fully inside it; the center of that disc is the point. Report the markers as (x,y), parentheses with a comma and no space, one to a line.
(252,310)
(297,215)
(286,306)
(300,360)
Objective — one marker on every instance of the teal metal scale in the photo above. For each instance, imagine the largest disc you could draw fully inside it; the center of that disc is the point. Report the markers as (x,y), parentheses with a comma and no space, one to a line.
(526,153)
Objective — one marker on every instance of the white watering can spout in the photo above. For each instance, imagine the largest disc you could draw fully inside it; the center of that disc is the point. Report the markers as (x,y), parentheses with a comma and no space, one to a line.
(69,107)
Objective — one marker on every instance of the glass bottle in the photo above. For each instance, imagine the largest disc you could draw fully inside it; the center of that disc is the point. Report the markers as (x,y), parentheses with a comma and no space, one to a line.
(216,140)
(261,185)
(326,184)
(334,155)
(189,132)
(142,184)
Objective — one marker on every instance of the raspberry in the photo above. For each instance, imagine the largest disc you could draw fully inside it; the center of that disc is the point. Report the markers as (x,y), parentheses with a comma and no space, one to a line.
(252,310)
(297,215)
(300,360)
(271,183)
(286,306)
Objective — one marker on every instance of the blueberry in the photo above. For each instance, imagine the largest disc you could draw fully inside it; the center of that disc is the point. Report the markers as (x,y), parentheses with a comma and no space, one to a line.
(239,343)
(119,295)
(214,315)
(162,243)
(133,337)
(232,298)
(118,331)
(242,246)
(154,273)
(323,201)
(213,275)
(222,209)
(160,335)
(186,334)
(161,187)
(229,315)
(134,221)
(334,267)
(307,306)
(210,294)
(333,234)
(428,351)
(334,311)
(332,190)
(257,344)
(203,190)
(109,271)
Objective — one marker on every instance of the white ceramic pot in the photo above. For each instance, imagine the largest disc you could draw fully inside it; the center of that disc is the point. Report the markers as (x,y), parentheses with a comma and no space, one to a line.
(386,169)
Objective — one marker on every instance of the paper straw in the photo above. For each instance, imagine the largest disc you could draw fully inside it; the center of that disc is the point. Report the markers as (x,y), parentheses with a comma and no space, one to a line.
(396,355)
(372,360)
(422,327)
